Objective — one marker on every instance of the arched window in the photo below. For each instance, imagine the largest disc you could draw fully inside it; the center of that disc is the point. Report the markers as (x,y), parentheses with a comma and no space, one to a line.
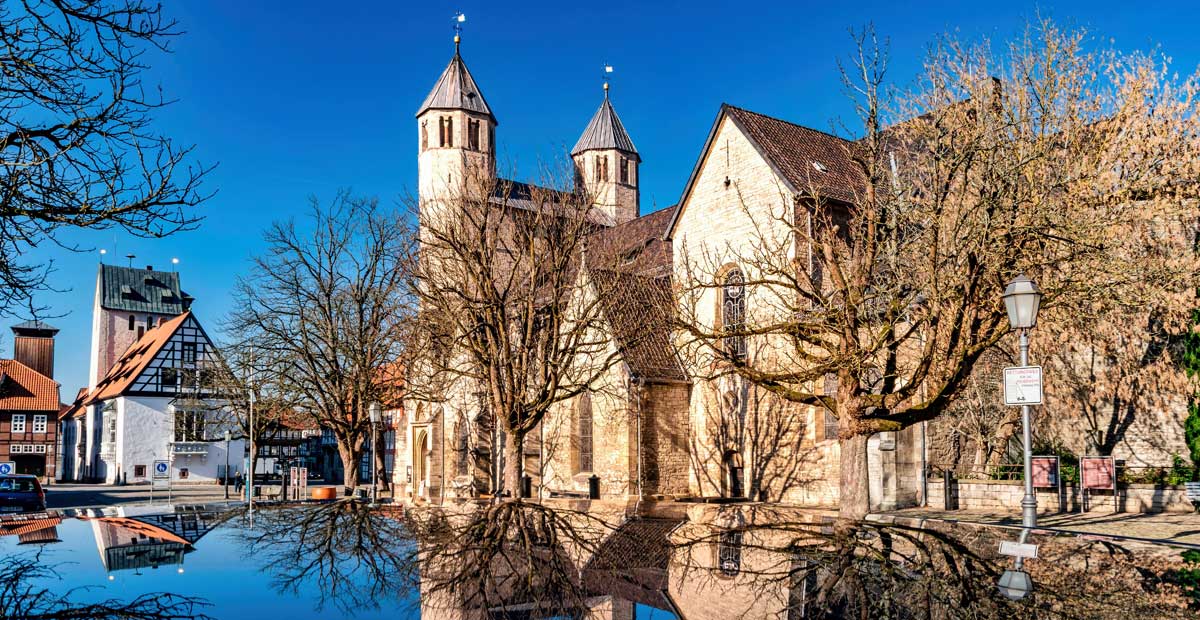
(424,135)
(733,314)
(584,416)
(132,321)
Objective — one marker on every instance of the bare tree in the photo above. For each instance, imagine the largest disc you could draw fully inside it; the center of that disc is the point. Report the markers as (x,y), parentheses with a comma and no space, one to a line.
(77,145)
(324,310)
(1065,166)
(511,320)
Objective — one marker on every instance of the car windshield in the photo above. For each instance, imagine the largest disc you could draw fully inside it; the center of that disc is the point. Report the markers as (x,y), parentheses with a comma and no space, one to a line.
(17,485)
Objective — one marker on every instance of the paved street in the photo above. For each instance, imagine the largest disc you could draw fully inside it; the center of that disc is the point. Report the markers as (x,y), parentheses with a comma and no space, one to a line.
(1169,527)
(92,495)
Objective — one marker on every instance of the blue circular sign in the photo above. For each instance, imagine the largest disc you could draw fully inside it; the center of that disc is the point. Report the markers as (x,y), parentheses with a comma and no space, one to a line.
(6,468)
(160,468)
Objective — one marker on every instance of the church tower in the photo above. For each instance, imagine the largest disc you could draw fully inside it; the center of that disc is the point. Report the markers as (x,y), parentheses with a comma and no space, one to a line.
(456,135)
(606,165)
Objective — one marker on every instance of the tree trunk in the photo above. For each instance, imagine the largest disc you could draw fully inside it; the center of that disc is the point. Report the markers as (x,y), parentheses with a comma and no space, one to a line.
(514,464)
(380,463)
(854,488)
(351,453)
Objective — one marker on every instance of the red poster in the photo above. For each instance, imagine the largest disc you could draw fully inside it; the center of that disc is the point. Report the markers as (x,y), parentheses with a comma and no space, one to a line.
(1045,471)
(1098,472)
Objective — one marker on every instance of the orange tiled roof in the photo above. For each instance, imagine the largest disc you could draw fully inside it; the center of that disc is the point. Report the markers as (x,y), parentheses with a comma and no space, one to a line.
(25,389)
(134,361)
(76,408)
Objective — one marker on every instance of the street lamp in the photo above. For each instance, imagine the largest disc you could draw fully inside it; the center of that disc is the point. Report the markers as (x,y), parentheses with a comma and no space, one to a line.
(228,438)
(376,413)
(1022,298)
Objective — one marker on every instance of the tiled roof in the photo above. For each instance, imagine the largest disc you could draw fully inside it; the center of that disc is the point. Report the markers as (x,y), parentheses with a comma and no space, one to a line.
(456,90)
(25,389)
(76,409)
(605,131)
(131,364)
(636,246)
(800,153)
(640,309)
(141,290)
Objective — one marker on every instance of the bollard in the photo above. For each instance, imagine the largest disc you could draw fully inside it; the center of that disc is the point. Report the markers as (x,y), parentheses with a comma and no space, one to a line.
(594,487)
(948,489)
(526,486)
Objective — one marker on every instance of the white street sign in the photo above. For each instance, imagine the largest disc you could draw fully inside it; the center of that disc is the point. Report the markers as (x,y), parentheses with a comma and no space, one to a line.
(1018,550)
(1023,385)
(7,467)
(160,469)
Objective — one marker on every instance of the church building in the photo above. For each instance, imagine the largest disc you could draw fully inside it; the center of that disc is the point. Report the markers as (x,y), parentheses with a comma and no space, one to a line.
(655,425)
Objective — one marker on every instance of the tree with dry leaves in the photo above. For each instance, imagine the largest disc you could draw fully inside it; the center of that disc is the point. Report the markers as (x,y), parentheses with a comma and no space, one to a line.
(324,310)
(78,149)
(1044,156)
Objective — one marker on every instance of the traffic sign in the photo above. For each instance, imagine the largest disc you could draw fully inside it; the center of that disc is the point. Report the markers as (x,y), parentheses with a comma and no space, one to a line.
(7,467)
(160,469)
(1023,385)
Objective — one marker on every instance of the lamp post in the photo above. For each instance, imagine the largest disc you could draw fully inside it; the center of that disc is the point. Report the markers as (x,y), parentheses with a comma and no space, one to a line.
(376,413)
(250,461)
(1022,299)
(228,438)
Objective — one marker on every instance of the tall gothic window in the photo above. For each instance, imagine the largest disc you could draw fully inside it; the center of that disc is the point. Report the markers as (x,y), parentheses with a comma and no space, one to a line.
(473,135)
(585,431)
(830,422)
(729,553)
(733,314)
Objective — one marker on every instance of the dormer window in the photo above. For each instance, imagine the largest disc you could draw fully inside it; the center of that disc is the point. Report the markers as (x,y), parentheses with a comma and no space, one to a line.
(473,135)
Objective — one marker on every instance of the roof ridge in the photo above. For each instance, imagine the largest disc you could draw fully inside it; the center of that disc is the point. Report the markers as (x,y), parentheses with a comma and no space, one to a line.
(793,124)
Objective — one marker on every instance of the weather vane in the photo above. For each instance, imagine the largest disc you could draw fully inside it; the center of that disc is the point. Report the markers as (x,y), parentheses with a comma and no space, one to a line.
(459,19)
(607,75)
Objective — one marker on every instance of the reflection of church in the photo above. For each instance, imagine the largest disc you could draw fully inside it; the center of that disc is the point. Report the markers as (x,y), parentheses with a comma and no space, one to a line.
(134,542)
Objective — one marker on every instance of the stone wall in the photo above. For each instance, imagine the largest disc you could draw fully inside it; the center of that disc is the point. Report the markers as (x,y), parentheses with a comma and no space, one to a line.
(665,433)
(997,495)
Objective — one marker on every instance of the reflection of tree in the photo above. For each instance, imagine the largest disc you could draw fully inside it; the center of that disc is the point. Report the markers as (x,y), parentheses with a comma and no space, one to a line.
(507,558)
(351,555)
(781,566)
(22,598)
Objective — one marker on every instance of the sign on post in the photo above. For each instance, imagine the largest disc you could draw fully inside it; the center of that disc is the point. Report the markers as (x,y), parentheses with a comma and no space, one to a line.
(7,468)
(1018,549)
(1023,385)
(161,479)
(1045,472)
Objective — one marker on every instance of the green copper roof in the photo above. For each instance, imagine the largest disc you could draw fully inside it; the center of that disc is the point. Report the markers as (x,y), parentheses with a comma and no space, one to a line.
(141,290)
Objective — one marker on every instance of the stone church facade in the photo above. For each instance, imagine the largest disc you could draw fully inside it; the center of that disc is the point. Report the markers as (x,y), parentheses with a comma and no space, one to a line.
(656,425)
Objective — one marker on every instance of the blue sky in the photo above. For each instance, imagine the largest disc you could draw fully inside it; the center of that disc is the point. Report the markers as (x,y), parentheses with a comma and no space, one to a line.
(299,98)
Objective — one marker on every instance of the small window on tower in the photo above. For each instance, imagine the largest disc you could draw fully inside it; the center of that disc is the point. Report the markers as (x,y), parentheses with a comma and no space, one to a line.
(473,135)
(132,320)
(449,132)
(491,138)
(601,168)
(625,170)
(424,135)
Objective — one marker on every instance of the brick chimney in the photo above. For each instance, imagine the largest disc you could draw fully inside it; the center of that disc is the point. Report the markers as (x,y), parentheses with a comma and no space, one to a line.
(33,345)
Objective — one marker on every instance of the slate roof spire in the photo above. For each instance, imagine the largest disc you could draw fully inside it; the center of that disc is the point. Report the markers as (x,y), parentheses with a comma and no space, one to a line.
(605,131)
(456,90)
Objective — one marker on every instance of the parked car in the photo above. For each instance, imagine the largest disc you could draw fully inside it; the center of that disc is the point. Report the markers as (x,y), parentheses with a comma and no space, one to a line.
(21,493)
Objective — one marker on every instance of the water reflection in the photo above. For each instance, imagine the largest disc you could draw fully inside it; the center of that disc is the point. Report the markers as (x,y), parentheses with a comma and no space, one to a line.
(529,560)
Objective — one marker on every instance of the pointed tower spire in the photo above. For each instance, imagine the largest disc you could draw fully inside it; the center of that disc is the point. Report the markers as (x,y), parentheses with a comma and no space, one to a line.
(456,88)
(606,162)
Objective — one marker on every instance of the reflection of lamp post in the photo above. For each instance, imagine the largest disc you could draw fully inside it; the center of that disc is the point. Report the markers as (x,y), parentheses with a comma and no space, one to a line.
(228,437)
(1022,299)
(376,414)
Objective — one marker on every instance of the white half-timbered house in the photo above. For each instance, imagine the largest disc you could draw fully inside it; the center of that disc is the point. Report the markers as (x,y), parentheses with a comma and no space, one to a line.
(157,402)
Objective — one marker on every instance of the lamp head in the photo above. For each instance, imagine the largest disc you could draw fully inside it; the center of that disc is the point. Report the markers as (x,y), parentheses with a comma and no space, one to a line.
(1022,298)
(376,413)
